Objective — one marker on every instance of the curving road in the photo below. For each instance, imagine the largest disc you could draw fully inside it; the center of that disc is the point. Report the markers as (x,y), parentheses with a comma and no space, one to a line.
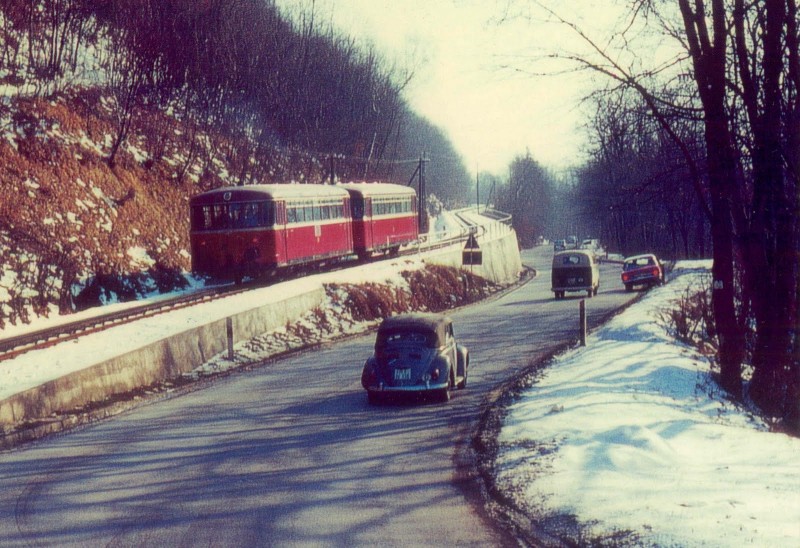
(290,453)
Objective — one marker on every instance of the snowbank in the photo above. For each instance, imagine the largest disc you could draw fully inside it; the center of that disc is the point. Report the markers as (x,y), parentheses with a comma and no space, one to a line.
(631,433)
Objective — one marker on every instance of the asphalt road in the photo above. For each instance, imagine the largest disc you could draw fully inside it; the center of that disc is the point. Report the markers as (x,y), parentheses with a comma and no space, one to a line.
(290,453)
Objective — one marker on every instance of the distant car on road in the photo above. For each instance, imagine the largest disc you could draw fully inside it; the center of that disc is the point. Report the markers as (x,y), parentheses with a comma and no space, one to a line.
(642,270)
(575,271)
(559,245)
(415,353)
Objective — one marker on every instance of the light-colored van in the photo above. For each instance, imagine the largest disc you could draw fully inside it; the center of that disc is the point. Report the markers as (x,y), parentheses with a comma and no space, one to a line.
(575,271)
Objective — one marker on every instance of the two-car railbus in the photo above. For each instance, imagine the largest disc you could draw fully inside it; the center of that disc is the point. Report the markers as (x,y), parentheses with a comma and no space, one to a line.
(252,230)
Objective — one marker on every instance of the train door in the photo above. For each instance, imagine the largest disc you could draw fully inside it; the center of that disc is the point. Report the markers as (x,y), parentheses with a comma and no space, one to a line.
(347,215)
(281,233)
(369,225)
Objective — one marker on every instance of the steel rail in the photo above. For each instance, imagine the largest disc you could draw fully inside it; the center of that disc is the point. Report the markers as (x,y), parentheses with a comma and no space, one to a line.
(15,345)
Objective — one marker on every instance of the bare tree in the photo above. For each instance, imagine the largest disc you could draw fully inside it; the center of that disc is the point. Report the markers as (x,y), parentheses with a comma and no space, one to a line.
(744,66)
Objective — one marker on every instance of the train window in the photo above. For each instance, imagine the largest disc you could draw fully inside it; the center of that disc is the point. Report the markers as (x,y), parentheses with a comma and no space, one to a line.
(235,215)
(250,215)
(268,213)
(201,218)
(391,206)
(219,217)
(309,211)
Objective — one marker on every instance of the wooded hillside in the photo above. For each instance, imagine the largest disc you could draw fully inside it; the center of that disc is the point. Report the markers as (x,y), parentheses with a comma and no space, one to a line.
(114,112)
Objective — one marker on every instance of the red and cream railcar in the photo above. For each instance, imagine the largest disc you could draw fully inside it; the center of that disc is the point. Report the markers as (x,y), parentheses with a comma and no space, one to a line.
(249,230)
(384,217)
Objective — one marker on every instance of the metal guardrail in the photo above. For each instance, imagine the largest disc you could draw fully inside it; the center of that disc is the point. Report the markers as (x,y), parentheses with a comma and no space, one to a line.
(498,215)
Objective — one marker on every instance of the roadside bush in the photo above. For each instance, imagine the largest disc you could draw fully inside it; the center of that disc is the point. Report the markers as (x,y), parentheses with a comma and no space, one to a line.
(691,320)
(371,301)
(437,288)
(434,289)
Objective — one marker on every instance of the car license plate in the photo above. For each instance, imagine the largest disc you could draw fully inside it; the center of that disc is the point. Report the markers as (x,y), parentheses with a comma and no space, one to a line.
(402,374)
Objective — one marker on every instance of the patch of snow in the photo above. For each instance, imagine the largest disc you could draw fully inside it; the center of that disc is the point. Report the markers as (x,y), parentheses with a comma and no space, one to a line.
(632,433)
(140,257)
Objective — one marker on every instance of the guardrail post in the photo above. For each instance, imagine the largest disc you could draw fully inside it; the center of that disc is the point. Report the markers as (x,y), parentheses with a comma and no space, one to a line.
(229,329)
(583,322)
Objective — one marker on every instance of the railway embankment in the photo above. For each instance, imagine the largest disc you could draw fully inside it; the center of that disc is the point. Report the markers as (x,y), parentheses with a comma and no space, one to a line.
(78,381)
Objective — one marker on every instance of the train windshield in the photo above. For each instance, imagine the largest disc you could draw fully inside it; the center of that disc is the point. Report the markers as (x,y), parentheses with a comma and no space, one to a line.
(233,216)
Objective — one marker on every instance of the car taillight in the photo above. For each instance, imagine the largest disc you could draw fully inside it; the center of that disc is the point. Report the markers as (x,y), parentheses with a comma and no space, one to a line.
(654,272)
(625,276)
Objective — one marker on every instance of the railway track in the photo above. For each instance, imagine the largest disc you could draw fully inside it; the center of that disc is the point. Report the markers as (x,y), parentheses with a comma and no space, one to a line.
(11,347)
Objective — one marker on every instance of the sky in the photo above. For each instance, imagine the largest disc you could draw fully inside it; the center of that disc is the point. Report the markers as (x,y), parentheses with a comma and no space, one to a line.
(459,49)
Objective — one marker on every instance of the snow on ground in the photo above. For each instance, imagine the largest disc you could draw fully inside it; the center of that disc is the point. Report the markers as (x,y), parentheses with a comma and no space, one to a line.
(631,433)
(33,368)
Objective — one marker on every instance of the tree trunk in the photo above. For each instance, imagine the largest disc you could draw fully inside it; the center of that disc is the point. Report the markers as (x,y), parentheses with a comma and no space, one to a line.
(770,244)
(709,60)
(721,180)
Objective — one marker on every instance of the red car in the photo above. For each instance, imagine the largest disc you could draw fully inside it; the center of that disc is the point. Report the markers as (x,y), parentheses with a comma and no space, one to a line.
(642,270)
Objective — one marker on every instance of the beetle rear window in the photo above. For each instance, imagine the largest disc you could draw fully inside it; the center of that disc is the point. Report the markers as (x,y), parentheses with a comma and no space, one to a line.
(403,338)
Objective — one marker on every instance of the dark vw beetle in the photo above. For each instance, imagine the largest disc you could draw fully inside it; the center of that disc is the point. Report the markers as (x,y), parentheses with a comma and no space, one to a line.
(415,353)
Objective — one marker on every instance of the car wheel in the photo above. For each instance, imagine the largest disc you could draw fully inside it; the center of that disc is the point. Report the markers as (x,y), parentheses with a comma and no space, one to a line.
(463,384)
(589,293)
(628,287)
(444,393)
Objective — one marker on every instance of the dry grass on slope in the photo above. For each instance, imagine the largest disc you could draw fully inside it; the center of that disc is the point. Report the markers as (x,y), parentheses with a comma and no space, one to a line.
(70,221)
(434,289)
(76,231)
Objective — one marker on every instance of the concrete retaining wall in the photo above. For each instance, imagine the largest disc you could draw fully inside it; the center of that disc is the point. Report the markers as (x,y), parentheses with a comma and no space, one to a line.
(161,360)
(501,260)
(183,352)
